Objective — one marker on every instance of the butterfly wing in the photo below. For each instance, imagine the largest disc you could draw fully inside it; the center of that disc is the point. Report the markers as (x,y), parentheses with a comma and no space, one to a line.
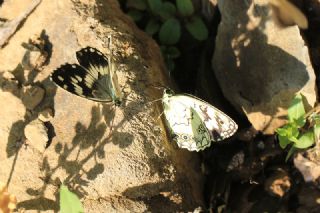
(220,125)
(186,126)
(91,79)
(71,77)
(92,59)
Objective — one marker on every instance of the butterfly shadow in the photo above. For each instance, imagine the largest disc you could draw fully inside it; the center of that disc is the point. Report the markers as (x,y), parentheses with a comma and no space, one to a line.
(90,139)
(155,202)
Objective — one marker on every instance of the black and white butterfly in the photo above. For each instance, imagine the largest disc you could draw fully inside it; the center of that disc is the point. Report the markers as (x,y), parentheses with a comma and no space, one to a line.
(194,123)
(93,78)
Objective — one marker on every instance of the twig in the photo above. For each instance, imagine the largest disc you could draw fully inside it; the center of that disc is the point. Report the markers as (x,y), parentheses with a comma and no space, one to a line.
(9,28)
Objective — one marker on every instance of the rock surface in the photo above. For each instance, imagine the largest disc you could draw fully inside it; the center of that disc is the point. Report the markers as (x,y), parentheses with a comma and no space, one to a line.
(32,96)
(310,170)
(45,115)
(260,65)
(114,158)
(36,134)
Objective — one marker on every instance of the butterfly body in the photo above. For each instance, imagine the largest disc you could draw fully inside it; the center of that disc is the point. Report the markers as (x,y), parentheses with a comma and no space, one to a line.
(194,123)
(93,78)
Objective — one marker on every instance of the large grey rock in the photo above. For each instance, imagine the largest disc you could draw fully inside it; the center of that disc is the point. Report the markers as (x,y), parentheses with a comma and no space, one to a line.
(114,158)
(260,65)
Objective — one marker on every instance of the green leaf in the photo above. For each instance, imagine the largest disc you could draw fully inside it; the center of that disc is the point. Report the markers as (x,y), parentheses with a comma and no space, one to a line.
(282,131)
(137,4)
(185,7)
(173,52)
(290,153)
(293,139)
(152,27)
(69,202)
(296,111)
(197,28)
(289,130)
(168,11)
(163,49)
(316,130)
(135,15)
(283,141)
(305,141)
(170,32)
(170,8)
(155,6)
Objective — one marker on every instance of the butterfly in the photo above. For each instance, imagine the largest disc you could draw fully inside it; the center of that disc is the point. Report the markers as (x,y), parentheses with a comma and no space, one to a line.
(194,123)
(93,78)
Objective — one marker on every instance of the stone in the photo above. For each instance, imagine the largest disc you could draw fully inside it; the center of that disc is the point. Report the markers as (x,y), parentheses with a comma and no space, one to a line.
(259,64)
(117,159)
(278,184)
(36,54)
(236,162)
(32,96)
(310,170)
(8,83)
(45,115)
(30,59)
(36,134)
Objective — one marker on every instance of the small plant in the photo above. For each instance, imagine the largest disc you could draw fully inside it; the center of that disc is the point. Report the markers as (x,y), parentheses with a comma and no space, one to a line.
(69,202)
(300,131)
(165,20)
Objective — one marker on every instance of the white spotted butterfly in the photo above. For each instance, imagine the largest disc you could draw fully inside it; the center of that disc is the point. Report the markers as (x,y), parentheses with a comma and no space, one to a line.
(93,78)
(194,123)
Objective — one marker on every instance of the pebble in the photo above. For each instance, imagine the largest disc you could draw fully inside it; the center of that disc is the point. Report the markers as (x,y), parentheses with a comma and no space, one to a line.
(32,96)
(45,115)
(36,134)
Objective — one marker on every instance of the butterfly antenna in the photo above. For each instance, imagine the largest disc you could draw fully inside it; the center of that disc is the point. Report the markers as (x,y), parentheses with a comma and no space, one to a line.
(109,42)
(110,48)
(151,102)
(160,115)
(160,87)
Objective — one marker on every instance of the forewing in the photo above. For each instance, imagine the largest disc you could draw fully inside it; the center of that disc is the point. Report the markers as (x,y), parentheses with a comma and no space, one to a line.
(186,127)
(90,56)
(77,80)
(220,125)
(101,72)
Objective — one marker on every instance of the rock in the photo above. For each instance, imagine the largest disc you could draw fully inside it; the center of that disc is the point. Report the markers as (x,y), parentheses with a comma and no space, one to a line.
(260,65)
(11,125)
(8,83)
(116,159)
(278,184)
(30,59)
(32,96)
(36,54)
(288,13)
(236,162)
(45,115)
(310,170)
(36,134)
